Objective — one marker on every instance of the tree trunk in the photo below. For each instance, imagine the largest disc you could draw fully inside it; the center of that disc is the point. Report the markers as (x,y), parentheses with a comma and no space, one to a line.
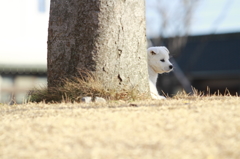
(104,37)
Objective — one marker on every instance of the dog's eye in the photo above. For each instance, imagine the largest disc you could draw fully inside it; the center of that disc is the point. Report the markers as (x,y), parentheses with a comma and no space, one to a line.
(162,60)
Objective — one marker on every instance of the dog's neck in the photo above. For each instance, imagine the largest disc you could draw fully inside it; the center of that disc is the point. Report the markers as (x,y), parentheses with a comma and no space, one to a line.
(152,75)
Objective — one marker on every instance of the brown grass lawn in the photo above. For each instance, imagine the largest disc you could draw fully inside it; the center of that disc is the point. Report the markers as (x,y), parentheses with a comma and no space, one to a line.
(184,127)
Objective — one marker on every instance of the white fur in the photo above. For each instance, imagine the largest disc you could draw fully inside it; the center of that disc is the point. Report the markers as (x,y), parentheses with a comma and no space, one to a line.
(158,62)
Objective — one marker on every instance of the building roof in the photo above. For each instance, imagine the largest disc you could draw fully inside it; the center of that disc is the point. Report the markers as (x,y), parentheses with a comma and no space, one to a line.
(22,69)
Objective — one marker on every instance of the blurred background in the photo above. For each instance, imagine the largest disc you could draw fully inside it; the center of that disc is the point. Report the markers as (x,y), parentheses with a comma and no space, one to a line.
(203,37)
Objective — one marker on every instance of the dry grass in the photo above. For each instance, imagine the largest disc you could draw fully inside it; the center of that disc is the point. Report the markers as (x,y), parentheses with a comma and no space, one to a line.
(86,84)
(181,127)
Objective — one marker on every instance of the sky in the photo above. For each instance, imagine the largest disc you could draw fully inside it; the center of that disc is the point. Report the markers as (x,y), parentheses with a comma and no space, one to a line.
(24,25)
(23,32)
(208,17)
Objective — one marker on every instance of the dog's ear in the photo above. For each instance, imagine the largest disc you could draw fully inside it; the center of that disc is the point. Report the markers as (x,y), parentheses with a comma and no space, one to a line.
(152,52)
(165,49)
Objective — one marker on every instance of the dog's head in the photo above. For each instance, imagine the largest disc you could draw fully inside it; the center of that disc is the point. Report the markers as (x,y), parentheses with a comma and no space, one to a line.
(158,59)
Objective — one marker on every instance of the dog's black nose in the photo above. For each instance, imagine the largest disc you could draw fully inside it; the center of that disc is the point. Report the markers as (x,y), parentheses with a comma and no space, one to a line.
(171,66)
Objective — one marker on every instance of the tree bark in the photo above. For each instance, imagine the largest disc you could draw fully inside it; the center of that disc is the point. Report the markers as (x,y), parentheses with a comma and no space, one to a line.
(104,37)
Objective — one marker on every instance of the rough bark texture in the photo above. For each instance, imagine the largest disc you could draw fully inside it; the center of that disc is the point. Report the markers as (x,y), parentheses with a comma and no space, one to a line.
(106,37)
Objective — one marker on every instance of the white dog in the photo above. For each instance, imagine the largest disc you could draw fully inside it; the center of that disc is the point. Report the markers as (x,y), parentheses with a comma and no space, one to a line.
(158,62)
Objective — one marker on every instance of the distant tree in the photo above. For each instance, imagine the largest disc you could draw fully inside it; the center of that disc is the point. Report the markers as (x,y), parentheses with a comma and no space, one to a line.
(175,21)
(104,37)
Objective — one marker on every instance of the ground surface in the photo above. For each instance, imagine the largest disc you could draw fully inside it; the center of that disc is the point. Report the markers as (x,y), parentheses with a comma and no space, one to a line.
(188,127)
